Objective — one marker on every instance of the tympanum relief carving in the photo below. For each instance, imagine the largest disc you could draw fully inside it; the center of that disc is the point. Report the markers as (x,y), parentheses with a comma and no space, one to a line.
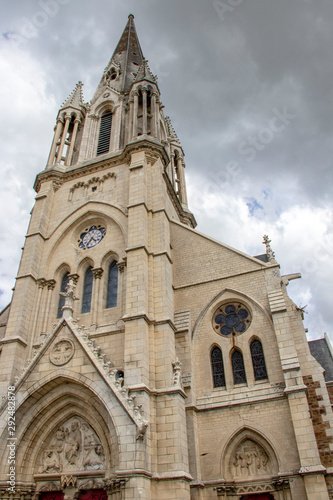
(250,459)
(74,446)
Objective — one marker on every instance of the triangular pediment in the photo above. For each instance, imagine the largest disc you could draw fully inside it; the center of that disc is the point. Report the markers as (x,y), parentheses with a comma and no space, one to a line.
(69,348)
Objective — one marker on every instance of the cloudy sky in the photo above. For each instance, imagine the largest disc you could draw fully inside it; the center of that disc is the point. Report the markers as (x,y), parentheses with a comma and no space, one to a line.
(249,88)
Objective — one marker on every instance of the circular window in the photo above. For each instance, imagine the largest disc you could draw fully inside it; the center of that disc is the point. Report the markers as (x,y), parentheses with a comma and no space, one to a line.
(231,319)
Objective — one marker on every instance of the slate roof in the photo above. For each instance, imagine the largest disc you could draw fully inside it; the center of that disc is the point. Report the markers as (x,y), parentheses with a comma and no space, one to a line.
(320,350)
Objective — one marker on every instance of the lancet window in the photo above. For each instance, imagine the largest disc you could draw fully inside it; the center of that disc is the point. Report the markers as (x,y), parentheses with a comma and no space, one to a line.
(258,360)
(217,367)
(87,290)
(238,368)
(112,288)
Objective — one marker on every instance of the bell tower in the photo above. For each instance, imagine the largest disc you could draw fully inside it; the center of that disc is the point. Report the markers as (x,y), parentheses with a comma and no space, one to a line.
(97,268)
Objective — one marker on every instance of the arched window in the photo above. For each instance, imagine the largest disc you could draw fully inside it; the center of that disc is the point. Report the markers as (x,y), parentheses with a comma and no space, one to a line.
(87,290)
(238,368)
(217,367)
(64,283)
(111,300)
(104,133)
(258,360)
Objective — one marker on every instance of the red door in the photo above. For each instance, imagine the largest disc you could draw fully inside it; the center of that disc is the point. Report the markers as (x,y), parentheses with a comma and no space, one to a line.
(52,495)
(93,495)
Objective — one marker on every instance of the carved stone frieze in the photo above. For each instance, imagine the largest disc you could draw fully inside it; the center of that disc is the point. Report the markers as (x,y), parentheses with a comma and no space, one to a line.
(74,446)
(97,181)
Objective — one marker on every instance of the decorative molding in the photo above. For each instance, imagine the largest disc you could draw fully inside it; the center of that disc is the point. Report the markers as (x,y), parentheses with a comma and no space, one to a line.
(312,469)
(68,481)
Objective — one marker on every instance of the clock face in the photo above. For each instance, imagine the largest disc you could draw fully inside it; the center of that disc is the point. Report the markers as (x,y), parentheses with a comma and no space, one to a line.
(90,237)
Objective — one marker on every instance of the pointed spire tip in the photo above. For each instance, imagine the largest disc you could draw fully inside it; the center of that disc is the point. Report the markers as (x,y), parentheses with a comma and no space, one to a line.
(130,16)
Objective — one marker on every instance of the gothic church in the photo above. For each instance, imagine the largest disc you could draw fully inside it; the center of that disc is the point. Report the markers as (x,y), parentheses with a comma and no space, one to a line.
(145,360)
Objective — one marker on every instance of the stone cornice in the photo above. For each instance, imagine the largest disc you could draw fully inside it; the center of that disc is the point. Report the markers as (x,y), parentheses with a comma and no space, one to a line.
(96,164)
(10,340)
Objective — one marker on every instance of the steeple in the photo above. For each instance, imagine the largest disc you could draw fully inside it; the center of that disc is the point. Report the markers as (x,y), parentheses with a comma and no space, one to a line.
(125,111)
(125,62)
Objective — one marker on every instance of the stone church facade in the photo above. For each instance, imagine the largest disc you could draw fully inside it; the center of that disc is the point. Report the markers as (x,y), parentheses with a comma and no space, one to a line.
(143,359)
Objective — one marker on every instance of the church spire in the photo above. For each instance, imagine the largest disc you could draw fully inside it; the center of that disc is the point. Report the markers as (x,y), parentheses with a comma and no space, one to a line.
(125,62)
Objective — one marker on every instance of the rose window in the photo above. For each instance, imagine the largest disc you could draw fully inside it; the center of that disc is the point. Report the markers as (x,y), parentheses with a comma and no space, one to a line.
(231,319)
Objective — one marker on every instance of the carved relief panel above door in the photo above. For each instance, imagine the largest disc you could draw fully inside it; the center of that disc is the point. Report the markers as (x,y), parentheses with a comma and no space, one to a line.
(73,446)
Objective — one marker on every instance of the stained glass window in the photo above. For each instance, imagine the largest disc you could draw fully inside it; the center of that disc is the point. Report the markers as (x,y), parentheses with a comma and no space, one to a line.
(231,319)
(111,300)
(258,360)
(64,283)
(87,291)
(217,367)
(238,368)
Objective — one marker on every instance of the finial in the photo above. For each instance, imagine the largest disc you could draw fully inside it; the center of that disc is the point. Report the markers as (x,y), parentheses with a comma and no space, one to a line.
(269,252)
(130,15)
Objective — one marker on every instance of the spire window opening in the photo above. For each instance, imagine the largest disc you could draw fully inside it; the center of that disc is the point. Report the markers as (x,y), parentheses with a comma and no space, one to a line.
(104,133)
(149,112)
(140,113)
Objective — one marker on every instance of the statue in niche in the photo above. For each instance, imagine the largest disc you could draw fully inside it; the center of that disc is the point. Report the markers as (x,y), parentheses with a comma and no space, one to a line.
(74,446)
(250,459)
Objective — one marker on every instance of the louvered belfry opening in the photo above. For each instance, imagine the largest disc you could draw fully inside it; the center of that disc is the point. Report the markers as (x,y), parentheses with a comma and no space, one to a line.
(104,133)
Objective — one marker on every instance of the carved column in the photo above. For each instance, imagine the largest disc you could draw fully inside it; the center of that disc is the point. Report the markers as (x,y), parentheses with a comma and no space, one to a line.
(135,115)
(57,133)
(50,287)
(153,119)
(130,121)
(181,173)
(116,129)
(97,273)
(121,268)
(71,147)
(40,283)
(63,139)
(144,106)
